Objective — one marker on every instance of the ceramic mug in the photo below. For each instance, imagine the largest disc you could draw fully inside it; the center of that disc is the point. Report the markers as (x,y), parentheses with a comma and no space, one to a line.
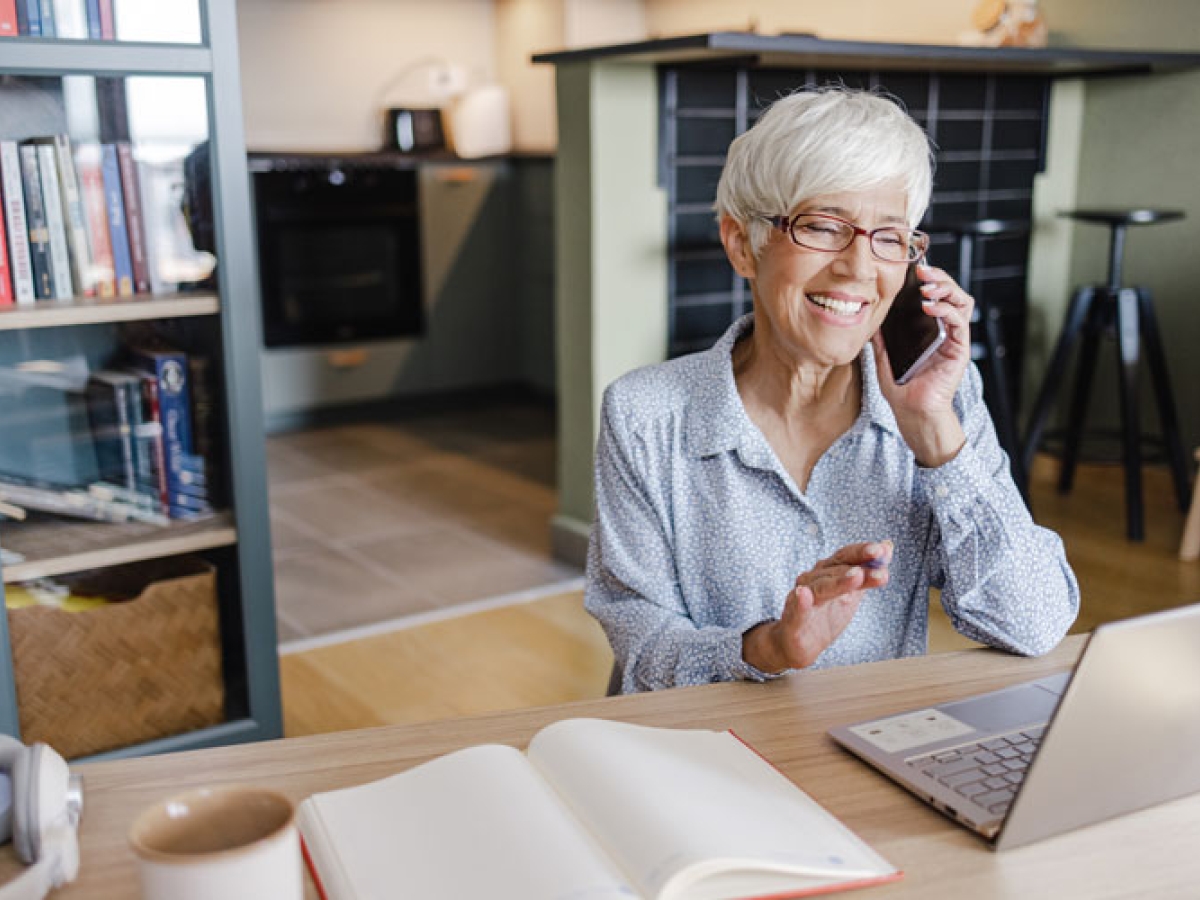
(234,842)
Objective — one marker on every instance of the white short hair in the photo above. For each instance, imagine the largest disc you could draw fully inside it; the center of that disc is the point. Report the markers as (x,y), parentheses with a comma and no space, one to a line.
(823,141)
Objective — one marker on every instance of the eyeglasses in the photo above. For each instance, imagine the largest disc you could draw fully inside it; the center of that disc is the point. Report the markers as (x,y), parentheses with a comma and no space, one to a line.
(829,234)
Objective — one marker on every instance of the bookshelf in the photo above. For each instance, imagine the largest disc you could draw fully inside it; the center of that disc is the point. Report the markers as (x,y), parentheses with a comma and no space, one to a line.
(215,318)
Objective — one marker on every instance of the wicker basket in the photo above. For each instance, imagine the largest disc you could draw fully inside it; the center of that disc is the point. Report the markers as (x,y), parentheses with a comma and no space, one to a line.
(127,672)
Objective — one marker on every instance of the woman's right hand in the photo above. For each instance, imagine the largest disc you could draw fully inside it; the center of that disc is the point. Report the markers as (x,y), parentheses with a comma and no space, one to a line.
(818,608)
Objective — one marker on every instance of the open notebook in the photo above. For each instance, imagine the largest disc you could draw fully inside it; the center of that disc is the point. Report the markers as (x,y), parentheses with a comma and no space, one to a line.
(593,810)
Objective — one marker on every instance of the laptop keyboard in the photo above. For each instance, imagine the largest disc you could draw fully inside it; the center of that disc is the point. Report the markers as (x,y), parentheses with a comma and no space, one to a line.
(987,773)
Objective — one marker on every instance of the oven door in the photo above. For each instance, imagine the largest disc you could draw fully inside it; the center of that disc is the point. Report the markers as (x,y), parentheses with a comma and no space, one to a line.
(339,256)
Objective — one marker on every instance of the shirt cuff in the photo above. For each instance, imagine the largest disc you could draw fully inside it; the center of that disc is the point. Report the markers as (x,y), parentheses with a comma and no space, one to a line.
(736,667)
(957,484)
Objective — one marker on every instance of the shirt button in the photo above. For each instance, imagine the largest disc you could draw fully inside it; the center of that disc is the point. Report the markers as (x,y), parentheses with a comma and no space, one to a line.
(942,491)
(813,530)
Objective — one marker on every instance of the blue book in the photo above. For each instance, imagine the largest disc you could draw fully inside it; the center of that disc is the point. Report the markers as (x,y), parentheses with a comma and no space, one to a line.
(47,13)
(29,18)
(93,20)
(170,369)
(109,402)
(118,232)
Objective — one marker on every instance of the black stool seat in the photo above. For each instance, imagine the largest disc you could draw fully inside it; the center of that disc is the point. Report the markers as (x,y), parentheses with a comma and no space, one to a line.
(992,350)
(1122,216)
(1094,311)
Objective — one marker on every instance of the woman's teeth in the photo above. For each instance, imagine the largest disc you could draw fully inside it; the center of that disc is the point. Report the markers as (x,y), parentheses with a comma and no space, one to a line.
(839,307)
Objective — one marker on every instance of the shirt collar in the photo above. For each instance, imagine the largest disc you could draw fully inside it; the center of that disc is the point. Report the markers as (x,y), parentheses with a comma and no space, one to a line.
(716,420)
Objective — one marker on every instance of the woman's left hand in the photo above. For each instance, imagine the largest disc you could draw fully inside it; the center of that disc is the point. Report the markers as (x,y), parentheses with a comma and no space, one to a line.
(924,406)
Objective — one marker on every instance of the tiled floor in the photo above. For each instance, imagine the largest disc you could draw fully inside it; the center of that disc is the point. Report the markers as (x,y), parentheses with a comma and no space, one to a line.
(374,522)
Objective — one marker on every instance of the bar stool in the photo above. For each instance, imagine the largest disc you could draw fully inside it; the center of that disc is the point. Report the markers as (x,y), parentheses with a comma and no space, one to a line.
(991,352)
(1094,311)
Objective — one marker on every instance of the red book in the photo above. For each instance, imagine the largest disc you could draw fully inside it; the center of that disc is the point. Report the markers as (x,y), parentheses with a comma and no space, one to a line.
(135,222)
(91,190)
(108,31)
(8,18)
(153,414)
(6,286)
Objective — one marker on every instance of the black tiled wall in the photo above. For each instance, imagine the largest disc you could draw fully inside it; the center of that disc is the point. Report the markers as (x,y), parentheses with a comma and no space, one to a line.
(989,134)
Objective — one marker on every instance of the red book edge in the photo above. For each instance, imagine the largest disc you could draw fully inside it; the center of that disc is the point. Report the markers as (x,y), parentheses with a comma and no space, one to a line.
(8,18)
(824,889)
(6,286)
(152,407)
(312,868)
(806,892)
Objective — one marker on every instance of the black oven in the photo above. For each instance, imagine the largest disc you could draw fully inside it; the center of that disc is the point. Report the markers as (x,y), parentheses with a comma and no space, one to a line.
(339,247)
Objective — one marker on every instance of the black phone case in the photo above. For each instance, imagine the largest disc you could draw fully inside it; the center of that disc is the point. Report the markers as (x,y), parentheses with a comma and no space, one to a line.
(910,336)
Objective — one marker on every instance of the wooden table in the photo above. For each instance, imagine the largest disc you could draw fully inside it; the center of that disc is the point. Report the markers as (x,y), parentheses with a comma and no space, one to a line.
(1152,853)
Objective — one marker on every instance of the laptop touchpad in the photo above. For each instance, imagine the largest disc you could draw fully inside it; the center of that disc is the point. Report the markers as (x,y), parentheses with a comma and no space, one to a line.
(1024,705)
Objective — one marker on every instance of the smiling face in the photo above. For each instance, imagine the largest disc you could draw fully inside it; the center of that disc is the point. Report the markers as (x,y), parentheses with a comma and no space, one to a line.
(818,307)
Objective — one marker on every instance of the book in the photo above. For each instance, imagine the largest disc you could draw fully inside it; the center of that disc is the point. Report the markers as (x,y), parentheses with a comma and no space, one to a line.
(56,226)
(118,234)
(206,405)
(109,403)
(95,503)
(75,218)
(108,29)
(19,261)
(8,19)
(153,430)
(93,20)
(597,809)
(29,18)
(6,285)
(91,191)
(46,10)
(39,230)
(134,223)
(170,370)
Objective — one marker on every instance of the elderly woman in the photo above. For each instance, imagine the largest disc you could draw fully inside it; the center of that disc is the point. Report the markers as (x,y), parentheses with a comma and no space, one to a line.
(779,501)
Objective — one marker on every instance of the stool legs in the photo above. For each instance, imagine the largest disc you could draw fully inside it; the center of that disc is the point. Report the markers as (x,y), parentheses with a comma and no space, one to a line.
(1128,339)
(1077,313)
(1091,311)
(1093,330)
(1157,361)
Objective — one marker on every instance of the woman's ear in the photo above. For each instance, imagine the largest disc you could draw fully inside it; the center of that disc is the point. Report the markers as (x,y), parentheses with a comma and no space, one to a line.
(737,247)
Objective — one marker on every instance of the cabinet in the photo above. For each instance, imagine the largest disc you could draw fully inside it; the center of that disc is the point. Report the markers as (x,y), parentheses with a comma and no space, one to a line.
(181,92)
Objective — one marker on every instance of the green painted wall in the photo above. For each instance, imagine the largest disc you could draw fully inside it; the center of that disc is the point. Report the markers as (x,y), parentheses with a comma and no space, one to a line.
(1140,146)
(610,220)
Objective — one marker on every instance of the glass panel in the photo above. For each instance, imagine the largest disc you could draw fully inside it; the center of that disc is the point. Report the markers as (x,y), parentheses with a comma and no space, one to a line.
(126,414)
(107,196)
(163,21)
(121,203)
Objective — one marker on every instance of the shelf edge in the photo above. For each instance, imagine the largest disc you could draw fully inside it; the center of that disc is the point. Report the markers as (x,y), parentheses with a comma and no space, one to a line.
(45,314)
(112,556)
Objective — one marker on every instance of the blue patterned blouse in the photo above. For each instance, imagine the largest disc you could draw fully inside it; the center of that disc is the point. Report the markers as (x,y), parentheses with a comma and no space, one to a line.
(700,532)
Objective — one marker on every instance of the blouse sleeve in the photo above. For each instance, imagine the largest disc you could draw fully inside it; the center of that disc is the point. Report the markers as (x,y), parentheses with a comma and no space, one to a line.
(632,583)
(1005,580)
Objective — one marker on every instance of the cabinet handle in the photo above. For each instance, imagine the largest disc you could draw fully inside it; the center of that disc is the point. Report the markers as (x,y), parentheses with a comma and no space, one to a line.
(457,175)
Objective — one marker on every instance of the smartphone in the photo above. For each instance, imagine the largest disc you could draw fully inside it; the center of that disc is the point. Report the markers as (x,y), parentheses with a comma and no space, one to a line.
(910,335)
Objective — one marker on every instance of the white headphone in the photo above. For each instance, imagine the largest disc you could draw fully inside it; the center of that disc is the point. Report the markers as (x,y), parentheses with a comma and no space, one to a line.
(40,805)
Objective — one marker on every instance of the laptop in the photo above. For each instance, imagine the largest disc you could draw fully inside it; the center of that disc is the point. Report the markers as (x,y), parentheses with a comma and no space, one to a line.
(1119,733)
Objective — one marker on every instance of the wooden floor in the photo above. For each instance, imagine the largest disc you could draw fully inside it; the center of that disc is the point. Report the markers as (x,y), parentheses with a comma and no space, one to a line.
(551,651)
